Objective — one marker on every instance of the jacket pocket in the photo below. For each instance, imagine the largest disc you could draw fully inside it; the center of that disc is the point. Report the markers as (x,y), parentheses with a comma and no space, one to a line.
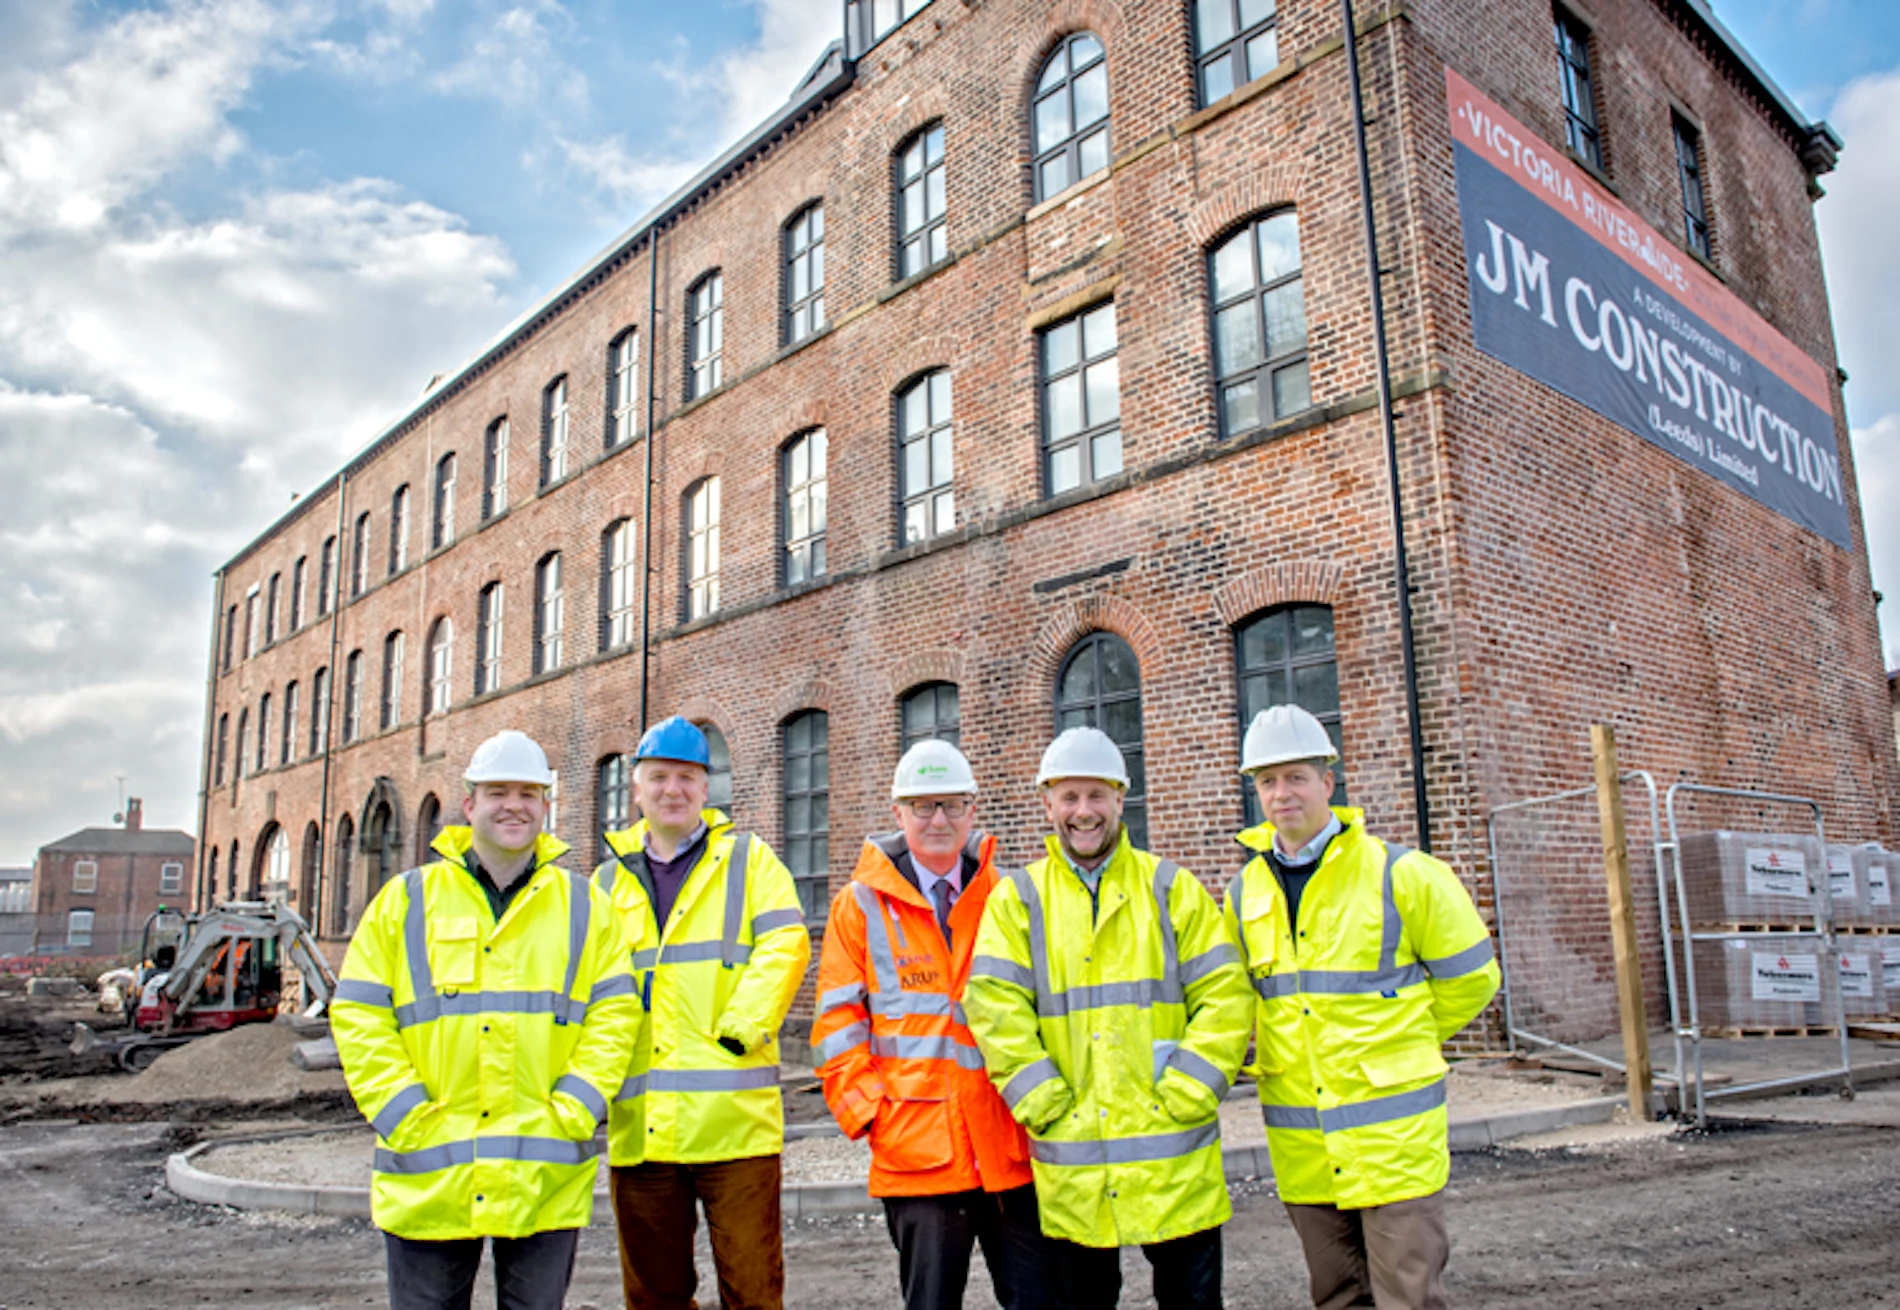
(911,1136)
(1258,932)
(453,946)
(1415,1063)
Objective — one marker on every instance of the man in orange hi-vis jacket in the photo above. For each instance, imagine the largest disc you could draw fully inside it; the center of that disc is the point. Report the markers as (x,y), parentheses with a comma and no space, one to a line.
(948,1161)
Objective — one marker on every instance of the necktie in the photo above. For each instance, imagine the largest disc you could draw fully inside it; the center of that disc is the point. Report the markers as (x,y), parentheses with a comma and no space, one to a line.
(945,896)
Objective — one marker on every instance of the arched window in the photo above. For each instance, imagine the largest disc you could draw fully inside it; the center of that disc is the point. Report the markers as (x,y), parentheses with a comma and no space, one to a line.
(1099,686)
(299,576)
(353,697)
(705,334)
(931,711)
(488,639)
(808,808)
(623,388)
(275,883)
(307,879)
(428,826)
(244,743)
(359,555)
(345,866)
(263,734)
(924,458)
(441,665)
(495,469)
(287,748)
(442,529)
(224,750)
(326,578)
(719,774)
(273,596)
(549,612)
(619,586)
(922,230)
(1286,657)
(399,530)
(1259,324)
(231,873)
(554,432)
(613,794)
(1071,115)
(390,713)
(209,892)
(803,473)
(1235,41)
(319,711)
(805,273)
(702,548)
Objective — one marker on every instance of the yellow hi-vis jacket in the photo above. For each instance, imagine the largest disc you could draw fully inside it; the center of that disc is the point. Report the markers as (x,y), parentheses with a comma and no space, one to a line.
(484,1052)
(726,963)
(1389,960)
(1113,1035)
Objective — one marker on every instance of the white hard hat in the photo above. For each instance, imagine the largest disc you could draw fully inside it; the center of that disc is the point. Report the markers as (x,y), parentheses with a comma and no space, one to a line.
(932,768)
(1281,734)
(1083,753)
(510,756)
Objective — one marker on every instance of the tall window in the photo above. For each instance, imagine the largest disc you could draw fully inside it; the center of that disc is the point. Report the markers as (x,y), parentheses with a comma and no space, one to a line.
(276,882)
(619,586)
(353,696)
(805,274)
(547,613)
(1071,115)
(719,772)
(263,733)
(554,432)
(287,748)
(495,469)
(428,826)
(391,712)
(623,388)
(319,710)
(1695,201)
(1580,105)
(442,524)
(613,794)
(924,471)
(931,711)
(1235,41)
(223,759)
(326,576)
(441,664)
(359,551)
(171,878)
(299,574)
(86,876)
(705,335)
(1100,687)
(1081,400)
(702,548)
(922,233)
(1286,656)
(244,744)
(307,880)
(488,639)
(804,477)
(345,865)
(808,807)
(79,928)
(1260,324)
(252,629)
(230,636)
(869,21)
(399,530)
(273,597)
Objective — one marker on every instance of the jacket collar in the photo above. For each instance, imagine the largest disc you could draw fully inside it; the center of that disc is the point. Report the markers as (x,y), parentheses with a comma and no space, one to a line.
(877,865)
(1059,858)
(1259,838)
(455,842)
(633,841)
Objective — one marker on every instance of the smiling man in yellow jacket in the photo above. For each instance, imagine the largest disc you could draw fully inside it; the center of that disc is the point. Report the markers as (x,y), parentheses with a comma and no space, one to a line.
(1365,957)
(484,1016)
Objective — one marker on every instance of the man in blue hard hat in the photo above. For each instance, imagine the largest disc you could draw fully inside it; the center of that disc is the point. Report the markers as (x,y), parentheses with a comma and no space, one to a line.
(719,949)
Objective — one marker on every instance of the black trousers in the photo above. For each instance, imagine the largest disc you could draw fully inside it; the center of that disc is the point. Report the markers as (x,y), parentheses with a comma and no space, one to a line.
(531,1273)
(934,1236)
(1186,1273)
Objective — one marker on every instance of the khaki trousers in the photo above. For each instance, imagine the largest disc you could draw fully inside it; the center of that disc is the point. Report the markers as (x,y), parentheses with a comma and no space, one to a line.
(655,1211)
(1391,1257)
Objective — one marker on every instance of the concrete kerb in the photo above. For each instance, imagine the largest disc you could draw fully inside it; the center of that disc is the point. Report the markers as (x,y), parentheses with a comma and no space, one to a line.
(801,1200)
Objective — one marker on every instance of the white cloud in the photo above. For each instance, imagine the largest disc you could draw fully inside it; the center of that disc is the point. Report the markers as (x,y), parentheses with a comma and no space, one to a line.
(635,183)
(513,60)
(1877,464)
(758,79)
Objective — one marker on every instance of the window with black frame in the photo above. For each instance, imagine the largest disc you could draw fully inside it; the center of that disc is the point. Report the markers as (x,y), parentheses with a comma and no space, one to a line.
(922,232)
(1069,119)
(805,274)
(803,472)
(808,809)
(929,711)
(1259,324)
(1695,201)
(1286,656)
(1235,41)
(1581,129)
(1099,686)
(1081,400)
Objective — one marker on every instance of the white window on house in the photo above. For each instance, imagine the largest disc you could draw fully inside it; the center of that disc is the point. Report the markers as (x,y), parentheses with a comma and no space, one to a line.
(391,713)
(805,274)
(924,451)
(319,710)
(253,632)
(805,510)
(277,868)
(441,664)
(353,696)
(326,578)
(488,639)
(399,530)
(619,586)
(495,469)
(702,549)
(79,928)
(548,613)
(288,751)
(263,734)
(442,532)
(623,388)
(554,432)
(705,335)
(85,876)
(553,820)
(272,597)
(1081,401)
(359,561)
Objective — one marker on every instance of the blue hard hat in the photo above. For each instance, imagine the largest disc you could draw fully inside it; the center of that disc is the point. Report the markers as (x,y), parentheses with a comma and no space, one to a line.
(675,739)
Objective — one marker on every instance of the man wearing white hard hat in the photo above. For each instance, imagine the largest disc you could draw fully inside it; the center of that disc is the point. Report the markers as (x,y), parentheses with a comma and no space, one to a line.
(949,1163)
(484,1015)
(1365,956)
(1112,1010)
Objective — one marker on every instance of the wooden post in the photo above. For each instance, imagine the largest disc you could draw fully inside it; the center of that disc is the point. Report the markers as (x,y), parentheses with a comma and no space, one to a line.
(1629,970)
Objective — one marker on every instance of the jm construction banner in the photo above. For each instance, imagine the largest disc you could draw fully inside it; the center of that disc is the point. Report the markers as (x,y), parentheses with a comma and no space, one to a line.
(1569,287)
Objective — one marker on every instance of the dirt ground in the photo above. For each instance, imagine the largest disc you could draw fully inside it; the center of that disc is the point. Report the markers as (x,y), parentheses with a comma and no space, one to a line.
(1761,1214)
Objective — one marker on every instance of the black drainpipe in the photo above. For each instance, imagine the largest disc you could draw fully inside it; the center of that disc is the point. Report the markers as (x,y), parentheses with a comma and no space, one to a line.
(329,717)
(202,899)
(1421,805)
(646,514)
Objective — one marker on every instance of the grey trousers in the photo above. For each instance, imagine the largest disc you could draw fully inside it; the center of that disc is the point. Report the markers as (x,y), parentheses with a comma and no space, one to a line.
(1391,1257)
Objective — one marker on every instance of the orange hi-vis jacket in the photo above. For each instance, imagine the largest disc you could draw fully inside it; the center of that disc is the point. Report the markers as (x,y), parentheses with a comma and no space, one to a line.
(895,1053)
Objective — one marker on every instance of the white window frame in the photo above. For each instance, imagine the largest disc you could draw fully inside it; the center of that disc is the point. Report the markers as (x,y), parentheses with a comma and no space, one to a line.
(171,878)
(79,928)
(441,665)
(85,877)
(702,549)
(550,606)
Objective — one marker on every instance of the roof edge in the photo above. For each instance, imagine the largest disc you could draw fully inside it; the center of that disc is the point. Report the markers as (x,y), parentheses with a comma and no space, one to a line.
(1819,146)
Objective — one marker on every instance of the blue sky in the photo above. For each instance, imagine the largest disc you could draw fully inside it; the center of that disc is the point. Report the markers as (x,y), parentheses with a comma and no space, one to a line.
(237,237)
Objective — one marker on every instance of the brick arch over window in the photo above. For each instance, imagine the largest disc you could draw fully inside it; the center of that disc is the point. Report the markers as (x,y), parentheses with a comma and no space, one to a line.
(1063,20)
(1264,190)
(941,664)
(1086,614)
(381,792)
(916,357)
(811,693)
(702,710)
(1289,582)
(808,413)
(926,106)
(704,464)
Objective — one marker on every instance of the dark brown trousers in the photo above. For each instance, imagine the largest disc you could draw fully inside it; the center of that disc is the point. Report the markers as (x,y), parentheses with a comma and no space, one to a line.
(656,1209)
(1391,1257)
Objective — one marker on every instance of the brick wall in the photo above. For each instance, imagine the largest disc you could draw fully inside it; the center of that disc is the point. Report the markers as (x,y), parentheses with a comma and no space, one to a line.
(126,888)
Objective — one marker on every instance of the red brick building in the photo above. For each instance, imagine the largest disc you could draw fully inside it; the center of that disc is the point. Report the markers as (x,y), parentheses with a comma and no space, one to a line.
(93,890)
(1020,372)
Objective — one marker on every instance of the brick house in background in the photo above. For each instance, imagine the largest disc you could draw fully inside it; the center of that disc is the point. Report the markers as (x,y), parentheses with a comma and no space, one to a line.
(1019,373)
(95,888)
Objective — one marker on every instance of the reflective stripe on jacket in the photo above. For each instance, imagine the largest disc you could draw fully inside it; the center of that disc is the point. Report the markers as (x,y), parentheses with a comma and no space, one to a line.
(726,963)
(895,1052)
(1391,959)
(484,1052)
(1112,1039)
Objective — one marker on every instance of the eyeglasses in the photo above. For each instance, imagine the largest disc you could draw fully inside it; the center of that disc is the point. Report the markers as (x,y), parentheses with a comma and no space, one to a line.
(953,809)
